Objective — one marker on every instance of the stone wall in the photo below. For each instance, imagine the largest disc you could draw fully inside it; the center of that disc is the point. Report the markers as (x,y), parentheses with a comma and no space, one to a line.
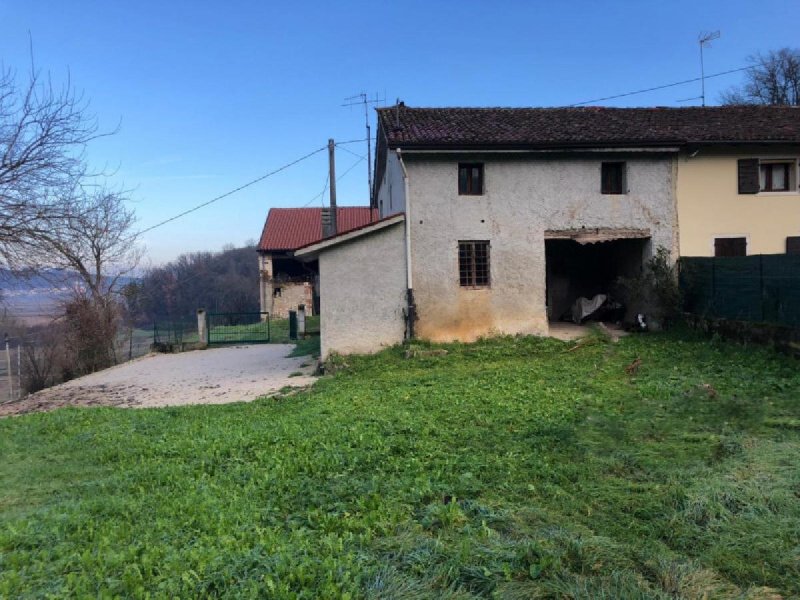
(287,296)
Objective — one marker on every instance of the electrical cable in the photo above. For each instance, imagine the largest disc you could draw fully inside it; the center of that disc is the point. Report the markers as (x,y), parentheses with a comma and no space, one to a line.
(231,192)
(659,87)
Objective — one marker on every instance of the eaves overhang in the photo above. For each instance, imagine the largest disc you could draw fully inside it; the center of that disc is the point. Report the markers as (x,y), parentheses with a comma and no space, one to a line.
(312,251)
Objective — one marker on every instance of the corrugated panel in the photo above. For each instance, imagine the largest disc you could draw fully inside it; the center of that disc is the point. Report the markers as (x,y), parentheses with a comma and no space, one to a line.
(290,228)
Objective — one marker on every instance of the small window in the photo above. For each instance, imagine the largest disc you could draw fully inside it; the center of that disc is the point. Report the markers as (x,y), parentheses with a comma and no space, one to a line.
(734,246)
(793,244)
(276,292)
(473,263)
(775,176)
(612,178)
(470,179)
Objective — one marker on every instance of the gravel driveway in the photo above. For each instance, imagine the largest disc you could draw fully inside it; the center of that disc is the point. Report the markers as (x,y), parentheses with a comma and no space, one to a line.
(215,376)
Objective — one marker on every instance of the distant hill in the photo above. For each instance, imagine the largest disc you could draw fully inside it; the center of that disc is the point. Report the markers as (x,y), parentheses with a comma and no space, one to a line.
(36,297)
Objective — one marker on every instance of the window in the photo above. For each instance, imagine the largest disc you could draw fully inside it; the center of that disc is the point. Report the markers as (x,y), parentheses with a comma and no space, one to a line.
(276,292)
(774,177)
(470,179)
(612,178)
(757,175)
(473,263)
(734,246)
(793,244)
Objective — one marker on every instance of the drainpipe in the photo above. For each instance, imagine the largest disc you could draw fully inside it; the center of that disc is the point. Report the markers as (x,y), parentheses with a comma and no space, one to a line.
(411,307)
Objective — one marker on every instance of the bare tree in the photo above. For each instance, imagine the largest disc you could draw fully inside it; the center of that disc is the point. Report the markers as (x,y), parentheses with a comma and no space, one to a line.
(44,131)
(54,212)
(773,79)
(96,239)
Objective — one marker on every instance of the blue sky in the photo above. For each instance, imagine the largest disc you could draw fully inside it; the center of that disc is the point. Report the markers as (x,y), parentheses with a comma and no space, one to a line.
(211,95)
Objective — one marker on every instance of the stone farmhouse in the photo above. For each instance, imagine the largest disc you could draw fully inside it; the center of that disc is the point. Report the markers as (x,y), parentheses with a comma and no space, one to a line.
(285,282)
(495,220)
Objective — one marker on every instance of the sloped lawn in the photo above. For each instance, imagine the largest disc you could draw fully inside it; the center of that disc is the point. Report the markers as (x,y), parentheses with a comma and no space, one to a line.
(511,468)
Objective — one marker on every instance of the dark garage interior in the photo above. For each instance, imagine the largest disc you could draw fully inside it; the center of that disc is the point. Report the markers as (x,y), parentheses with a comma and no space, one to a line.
(577,270)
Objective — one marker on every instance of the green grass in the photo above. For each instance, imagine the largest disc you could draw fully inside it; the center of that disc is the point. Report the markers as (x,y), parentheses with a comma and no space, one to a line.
(509,468)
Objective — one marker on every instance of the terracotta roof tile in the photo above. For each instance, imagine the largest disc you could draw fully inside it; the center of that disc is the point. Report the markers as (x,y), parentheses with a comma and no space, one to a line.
(575,127)
(291,228)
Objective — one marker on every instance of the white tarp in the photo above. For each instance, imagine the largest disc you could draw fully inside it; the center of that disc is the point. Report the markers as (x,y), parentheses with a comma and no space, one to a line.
(583,307)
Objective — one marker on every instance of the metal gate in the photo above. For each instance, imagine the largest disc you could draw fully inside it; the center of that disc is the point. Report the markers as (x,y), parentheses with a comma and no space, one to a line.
(237,328)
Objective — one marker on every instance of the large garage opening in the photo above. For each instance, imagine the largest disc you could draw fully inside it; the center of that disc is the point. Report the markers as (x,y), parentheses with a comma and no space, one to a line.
(584,268)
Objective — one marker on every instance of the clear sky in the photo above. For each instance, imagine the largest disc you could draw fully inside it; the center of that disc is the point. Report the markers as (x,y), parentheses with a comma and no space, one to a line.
(211,95)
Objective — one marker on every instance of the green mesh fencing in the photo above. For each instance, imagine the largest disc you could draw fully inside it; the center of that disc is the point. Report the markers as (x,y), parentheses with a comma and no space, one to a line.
(763,288)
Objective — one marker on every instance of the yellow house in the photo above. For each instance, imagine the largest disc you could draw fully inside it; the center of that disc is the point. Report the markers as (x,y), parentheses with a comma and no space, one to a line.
(738,194)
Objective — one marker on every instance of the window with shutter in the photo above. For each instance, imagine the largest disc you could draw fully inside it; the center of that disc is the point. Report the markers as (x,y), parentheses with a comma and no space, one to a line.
(749,179)
(733,246)
(793,244)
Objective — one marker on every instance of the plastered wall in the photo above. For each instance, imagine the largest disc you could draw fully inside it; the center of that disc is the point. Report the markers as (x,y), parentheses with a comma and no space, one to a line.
(710,206)
(523,197)
(362,290)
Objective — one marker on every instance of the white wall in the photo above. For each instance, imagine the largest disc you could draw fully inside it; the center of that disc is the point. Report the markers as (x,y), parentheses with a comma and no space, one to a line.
(362,293)
(392,192)
(523,197)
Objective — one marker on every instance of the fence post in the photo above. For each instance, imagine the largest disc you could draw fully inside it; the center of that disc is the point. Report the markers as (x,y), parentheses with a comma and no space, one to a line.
(19,373)
(202,326)
(9,372)
(301,320)
(292,324)
(761,284)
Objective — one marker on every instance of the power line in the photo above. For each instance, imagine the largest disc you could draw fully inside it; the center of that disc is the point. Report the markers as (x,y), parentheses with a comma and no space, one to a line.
(660,87)
(233,191)
(361,156)
(322,193)
(354,141)
(325,187)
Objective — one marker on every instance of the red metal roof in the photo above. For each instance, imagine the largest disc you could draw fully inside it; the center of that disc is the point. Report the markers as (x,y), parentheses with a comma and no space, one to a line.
(291,228)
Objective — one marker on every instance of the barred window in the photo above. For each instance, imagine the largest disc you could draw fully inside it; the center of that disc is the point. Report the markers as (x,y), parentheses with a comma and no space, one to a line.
(473,263)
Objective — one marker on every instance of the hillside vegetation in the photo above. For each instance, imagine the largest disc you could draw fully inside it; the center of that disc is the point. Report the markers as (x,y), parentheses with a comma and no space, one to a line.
(225,281)
(509,468)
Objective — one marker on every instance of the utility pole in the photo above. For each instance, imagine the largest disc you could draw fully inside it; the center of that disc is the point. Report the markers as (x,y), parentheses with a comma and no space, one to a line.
(705,39)
(362,99)
(332,186)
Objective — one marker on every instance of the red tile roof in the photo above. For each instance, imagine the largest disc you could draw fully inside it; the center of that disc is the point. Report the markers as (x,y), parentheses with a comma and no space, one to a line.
(467,128)
(291,228)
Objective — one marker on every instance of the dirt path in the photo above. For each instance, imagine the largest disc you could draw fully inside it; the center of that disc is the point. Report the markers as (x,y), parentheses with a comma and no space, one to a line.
(216,376)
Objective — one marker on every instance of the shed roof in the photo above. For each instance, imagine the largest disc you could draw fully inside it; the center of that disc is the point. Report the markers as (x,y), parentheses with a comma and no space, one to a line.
(454,128)
(291,228)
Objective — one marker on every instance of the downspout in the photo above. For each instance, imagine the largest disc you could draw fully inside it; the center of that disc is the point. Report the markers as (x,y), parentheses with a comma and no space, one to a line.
(411,307)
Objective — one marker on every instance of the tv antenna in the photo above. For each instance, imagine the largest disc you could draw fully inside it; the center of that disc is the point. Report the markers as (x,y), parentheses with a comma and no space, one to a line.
(705,39)
(362,98)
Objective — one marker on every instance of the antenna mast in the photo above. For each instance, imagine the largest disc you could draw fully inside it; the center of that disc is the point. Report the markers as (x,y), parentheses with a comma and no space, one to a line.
(363,99)
(705,39)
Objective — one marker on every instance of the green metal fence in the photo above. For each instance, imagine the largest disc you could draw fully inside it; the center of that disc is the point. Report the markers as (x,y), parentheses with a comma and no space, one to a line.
(238,328)
(761,288)
(175,332)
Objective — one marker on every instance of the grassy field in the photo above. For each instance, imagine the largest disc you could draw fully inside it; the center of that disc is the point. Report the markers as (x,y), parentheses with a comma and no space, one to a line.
(510,468)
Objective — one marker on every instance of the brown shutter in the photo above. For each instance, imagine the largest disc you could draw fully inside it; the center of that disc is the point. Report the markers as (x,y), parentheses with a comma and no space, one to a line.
(748,176)
(730,247)
(793,244)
